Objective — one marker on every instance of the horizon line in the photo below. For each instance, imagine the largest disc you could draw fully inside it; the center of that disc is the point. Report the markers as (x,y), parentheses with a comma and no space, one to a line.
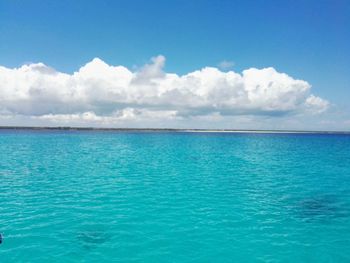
(82,128)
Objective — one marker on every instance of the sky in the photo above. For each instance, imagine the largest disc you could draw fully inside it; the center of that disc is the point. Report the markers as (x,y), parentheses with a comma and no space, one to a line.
(176,64)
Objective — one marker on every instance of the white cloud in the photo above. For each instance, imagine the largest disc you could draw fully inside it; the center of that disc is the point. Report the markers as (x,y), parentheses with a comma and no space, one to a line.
(100,93)
(226,64)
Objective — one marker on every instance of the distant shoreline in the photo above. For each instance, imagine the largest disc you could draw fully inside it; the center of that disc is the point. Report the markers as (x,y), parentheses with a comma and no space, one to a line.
(62,128)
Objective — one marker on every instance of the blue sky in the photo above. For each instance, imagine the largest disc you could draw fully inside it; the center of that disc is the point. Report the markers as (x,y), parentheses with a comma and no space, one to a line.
(308,40)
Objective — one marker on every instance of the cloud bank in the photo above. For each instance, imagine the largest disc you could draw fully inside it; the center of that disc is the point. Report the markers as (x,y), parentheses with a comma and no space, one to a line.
(101,93)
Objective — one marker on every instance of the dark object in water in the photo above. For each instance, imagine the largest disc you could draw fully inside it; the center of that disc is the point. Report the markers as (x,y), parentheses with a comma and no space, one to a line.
(318,207)
(0,238)
(321,207)
(93,237)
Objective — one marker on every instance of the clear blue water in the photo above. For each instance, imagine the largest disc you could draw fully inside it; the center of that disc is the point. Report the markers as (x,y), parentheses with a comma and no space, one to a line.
(174,197)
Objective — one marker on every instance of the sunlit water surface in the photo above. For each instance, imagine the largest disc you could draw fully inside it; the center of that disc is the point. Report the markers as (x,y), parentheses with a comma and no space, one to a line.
(174,197)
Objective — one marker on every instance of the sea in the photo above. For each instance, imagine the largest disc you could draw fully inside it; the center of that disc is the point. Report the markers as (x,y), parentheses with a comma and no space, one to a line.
(133,196)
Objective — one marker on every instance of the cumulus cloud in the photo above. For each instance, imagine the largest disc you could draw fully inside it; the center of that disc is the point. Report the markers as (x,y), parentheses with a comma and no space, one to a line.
(226,64)
(102,93)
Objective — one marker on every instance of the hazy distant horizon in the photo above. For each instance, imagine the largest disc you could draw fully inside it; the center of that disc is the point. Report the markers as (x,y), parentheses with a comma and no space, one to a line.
(89,128)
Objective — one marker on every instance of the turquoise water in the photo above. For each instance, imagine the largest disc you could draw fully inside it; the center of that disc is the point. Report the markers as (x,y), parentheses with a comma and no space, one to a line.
(174,197)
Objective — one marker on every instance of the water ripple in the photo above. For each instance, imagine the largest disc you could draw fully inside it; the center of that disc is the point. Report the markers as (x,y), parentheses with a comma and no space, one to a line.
(173,197)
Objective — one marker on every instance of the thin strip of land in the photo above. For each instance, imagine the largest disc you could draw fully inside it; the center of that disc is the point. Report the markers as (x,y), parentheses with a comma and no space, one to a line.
(68,128)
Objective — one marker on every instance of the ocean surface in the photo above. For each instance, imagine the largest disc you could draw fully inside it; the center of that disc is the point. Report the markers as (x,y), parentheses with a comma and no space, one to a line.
(76,196)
